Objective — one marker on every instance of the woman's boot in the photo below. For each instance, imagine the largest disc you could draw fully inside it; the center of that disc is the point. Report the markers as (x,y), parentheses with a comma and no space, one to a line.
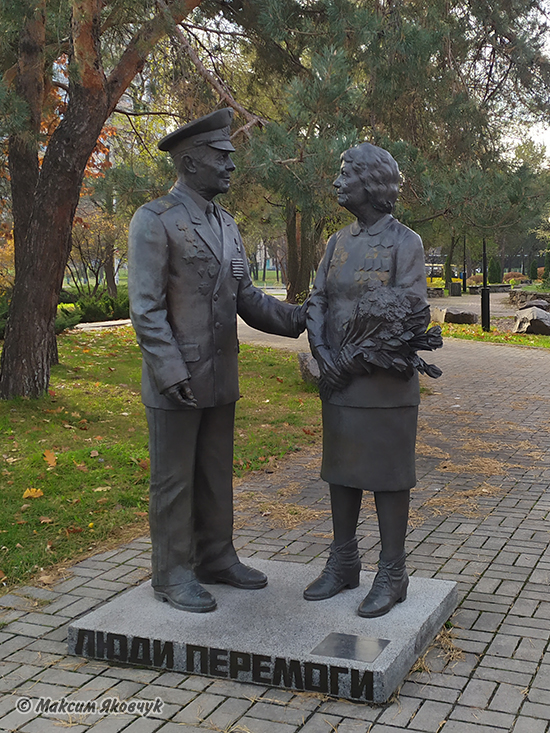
(343,565)
(391,581)
(341,571)
(389,587)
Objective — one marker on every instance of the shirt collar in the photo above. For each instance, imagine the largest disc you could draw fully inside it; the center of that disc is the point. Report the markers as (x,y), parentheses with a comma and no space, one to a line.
(377,228)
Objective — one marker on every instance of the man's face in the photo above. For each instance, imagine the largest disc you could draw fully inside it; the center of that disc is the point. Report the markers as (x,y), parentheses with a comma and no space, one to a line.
(212,172)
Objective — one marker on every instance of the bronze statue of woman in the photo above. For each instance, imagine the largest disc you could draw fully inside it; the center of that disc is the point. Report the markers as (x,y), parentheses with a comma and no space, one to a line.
(367,318)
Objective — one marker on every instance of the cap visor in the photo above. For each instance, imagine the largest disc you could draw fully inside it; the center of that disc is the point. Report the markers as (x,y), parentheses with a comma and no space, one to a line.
(221,145)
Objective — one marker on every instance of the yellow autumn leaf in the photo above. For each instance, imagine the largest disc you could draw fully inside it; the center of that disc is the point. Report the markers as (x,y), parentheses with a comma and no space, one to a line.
(49,457)
(33,493)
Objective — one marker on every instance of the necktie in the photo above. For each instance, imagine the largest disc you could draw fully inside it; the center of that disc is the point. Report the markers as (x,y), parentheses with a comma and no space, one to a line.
(213,219)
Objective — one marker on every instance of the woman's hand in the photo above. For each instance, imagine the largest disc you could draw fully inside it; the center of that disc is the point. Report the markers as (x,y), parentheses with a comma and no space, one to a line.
(331,373)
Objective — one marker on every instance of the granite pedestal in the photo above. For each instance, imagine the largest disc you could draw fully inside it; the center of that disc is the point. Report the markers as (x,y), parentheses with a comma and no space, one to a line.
(273,636)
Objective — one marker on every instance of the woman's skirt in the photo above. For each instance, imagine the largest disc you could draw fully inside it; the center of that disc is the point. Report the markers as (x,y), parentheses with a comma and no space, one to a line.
(370,448)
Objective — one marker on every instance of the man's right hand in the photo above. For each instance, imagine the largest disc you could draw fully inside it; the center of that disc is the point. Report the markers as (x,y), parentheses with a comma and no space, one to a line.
(181,394)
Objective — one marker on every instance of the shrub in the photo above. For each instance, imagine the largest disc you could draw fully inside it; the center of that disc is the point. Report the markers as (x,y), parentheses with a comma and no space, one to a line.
(436,282)
(67,318)
(65,296)
(533,271)
(540,273)
(475,279)
(517,276)
(104,308)
(494,274)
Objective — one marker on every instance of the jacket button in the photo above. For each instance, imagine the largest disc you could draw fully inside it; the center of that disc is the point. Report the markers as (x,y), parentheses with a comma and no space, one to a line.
(233,296)
(219,352)
(217,325)
(215,297)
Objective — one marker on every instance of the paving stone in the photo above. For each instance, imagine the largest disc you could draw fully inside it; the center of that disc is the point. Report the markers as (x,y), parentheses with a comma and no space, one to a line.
(145,725)
(530,725)
(477,693)
(199,709)
(484,718)
(228,712)
(261,726)
(400,712)
(321,724)
(507,699)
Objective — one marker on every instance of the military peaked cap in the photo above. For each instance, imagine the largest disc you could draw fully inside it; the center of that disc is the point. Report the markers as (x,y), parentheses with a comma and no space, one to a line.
(213,130)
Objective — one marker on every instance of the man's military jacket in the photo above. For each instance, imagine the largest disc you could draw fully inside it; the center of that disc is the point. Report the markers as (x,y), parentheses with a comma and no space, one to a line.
(186,285)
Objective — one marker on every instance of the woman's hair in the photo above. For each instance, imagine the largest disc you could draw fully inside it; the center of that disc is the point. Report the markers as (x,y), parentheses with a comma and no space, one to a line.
(379,173)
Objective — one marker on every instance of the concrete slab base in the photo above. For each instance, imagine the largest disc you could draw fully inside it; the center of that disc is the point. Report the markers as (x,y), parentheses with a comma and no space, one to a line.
(273,636)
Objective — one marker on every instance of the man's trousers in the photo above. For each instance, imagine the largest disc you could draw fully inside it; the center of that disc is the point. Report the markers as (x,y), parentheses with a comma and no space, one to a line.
(191,491)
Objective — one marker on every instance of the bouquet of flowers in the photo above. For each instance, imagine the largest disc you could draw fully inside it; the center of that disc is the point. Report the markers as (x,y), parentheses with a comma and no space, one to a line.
(386,330)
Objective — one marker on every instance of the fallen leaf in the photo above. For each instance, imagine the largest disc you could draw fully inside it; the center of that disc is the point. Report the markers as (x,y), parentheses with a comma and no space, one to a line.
(69,427)
(25,506)
(11,460)
(81,466)
(51,392)
(45,520)
(49,546)
(141,514)
(33,493)
(2,575)
(103,488)
(94,454)
(103,500)
(72,530)
(98,437)
(46,579)
(49,457)
(19,546)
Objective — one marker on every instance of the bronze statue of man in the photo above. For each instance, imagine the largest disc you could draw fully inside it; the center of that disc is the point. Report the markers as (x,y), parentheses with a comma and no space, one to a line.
(188,278)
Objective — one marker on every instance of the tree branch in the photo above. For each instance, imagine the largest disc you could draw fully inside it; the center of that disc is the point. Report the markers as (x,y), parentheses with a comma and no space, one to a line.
(214,82)
(86,43)
(133,59)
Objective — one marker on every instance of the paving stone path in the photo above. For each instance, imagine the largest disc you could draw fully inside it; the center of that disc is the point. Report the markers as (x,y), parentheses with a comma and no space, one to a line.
(480,516)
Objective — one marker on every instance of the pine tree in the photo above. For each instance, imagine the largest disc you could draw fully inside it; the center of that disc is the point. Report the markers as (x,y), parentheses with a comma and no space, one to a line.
(494,273)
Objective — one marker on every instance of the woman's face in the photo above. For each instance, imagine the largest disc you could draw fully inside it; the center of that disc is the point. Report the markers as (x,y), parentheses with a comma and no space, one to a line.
(350,190)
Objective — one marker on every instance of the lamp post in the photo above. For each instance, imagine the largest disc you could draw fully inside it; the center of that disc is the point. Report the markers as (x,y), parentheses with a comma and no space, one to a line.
(485,310)
(464,268)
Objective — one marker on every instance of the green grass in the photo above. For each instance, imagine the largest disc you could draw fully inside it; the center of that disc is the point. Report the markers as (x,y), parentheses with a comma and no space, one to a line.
(475,333)
(83,447)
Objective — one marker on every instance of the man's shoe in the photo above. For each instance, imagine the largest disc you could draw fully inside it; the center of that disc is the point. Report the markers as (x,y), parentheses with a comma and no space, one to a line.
(189,596)
(389,587)
(341,571)
(238,575)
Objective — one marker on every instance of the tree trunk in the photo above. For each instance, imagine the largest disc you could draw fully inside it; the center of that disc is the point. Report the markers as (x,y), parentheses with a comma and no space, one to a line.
(449,262)
(109,267)
(303,235)
(30,345)
(293,245)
